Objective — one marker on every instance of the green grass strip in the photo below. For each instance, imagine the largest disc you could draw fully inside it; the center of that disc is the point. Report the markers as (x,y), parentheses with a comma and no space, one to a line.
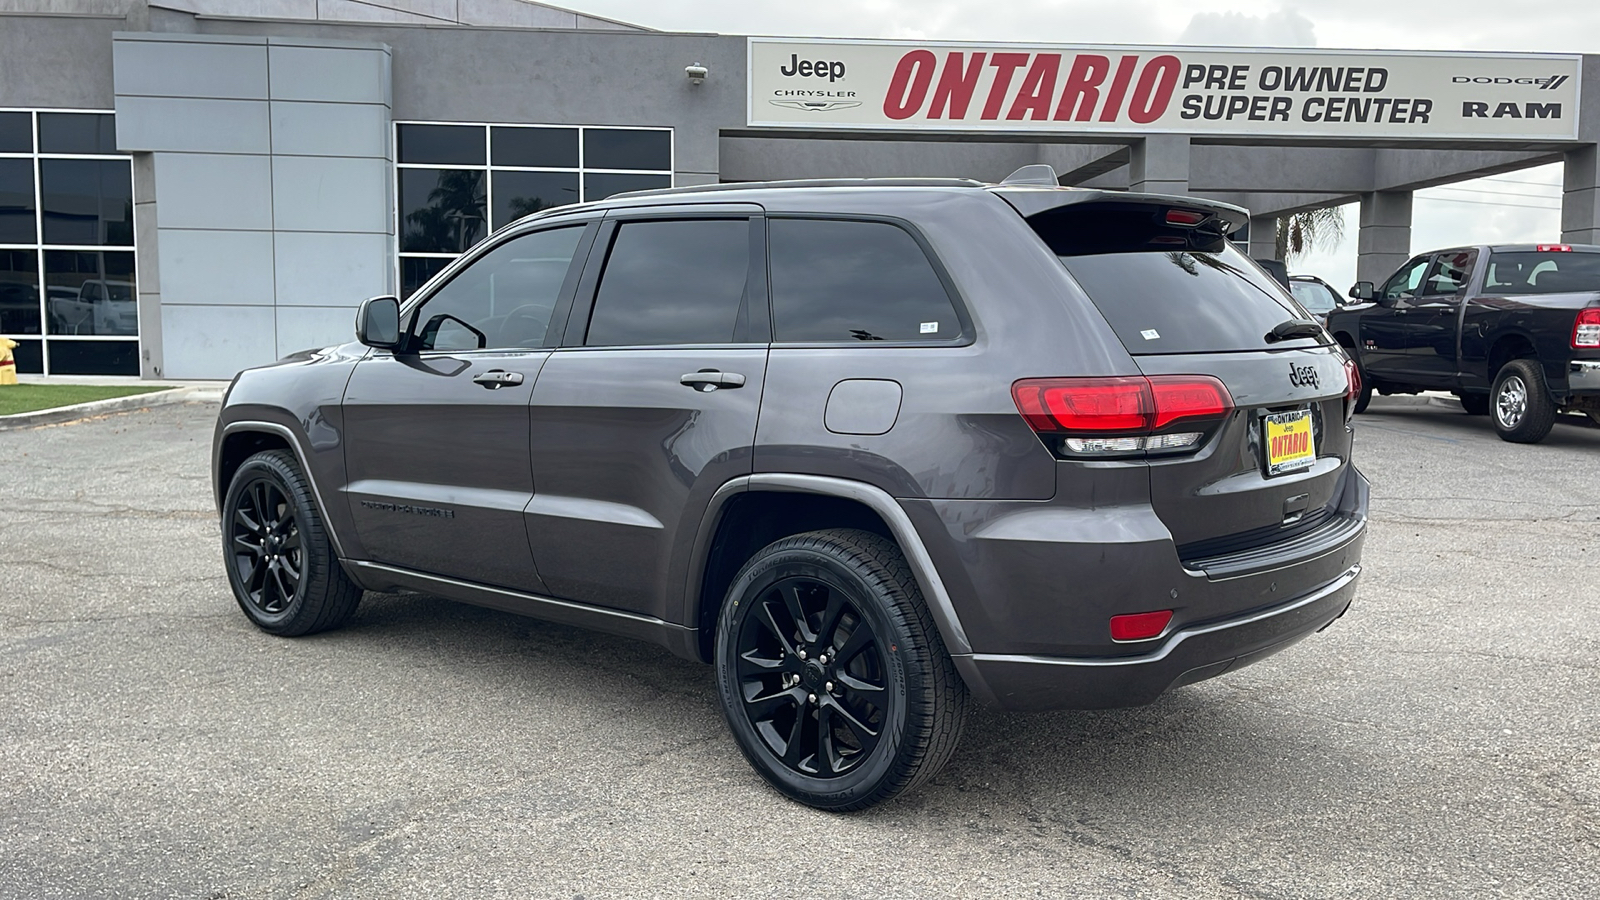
(21,398)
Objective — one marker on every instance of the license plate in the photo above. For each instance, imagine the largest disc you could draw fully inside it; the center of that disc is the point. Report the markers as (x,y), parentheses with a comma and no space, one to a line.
(1287,440)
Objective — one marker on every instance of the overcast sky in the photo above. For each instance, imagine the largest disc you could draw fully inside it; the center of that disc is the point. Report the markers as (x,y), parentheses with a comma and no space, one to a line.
(1521,206)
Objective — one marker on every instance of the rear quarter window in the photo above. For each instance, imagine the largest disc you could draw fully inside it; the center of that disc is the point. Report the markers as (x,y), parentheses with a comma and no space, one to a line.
(1164,289)
(840,280)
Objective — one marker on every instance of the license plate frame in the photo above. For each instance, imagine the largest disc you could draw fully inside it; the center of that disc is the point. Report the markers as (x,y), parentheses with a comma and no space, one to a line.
(1284,425)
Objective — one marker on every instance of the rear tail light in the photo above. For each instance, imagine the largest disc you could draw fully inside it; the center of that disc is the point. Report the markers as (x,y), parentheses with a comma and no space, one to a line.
(1352,378)
(1140,626)
(1123,416)
(1586,331)
(1187,217)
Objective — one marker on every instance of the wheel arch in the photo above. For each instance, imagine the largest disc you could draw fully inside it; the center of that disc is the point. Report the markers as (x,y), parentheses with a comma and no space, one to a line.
(752,511)
(1509,345)
(239,440)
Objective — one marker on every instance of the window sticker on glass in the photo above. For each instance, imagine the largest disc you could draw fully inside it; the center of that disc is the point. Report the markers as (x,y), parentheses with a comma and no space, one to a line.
(930,327)
(1150,334)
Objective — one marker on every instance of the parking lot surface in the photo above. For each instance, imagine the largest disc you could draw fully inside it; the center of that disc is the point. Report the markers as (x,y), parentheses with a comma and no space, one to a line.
(1441,740)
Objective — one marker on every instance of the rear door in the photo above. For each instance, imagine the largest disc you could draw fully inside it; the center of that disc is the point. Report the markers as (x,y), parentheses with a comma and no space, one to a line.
(651,403)
(436,435)
(1432,320)
(1384,328)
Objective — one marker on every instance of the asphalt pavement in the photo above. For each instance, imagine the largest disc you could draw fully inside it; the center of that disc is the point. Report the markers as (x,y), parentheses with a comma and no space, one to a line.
(1441,740)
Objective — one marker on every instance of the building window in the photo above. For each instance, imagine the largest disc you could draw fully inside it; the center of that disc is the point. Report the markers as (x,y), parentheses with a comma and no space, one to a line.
(454,183)
(68,273)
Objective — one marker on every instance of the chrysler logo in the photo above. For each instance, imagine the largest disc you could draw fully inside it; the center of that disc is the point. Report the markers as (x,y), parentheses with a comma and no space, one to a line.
(816,105)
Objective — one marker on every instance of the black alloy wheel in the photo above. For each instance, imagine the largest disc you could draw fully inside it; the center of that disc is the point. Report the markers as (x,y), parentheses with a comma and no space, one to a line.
(266,549)
(281,564)
(812,676)
(832,674)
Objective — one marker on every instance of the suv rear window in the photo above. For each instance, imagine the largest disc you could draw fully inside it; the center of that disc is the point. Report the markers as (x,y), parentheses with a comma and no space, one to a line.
(1166,289)
(1549,272)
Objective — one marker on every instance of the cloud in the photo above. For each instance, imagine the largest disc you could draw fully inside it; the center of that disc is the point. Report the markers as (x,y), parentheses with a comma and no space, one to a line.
(1283,28)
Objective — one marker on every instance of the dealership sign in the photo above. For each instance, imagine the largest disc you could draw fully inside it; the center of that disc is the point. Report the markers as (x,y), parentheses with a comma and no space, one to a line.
(884,85)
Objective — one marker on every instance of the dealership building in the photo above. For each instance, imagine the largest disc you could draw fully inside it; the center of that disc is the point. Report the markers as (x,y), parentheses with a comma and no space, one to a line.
(191,187)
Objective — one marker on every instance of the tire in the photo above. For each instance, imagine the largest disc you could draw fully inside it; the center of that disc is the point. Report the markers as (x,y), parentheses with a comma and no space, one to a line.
(1520,404)
(272,532)
(1363,399)
(1474,404)
(894,708)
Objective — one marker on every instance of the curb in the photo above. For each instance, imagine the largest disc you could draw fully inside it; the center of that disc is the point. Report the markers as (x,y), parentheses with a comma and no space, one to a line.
(99,407)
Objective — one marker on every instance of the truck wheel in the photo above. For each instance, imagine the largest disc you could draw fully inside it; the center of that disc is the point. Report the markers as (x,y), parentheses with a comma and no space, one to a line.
(1364,399)
(832,674)
(1474,404)
(280,562)
(1520,403)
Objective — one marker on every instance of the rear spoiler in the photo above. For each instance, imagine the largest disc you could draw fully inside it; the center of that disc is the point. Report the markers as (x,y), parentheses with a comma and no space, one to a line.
(1030,201)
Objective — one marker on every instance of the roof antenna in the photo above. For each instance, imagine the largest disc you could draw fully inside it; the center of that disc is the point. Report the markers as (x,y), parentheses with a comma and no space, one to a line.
(1035,174)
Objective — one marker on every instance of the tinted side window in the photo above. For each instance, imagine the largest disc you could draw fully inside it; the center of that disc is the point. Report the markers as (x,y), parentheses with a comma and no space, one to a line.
(862,281)
(504,299)
(673,282)
(1451,272)
(1404,283)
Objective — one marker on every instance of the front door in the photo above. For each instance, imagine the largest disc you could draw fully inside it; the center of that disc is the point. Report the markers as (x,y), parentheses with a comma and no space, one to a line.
(1433,321)
(650,408)
(437,434)
(1383,328)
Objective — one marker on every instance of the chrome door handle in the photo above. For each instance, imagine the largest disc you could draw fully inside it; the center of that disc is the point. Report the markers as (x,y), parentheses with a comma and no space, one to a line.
(708,380)
(494,379)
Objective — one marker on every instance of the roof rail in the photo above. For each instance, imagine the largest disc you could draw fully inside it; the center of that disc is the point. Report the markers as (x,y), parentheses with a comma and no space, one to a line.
(804,183)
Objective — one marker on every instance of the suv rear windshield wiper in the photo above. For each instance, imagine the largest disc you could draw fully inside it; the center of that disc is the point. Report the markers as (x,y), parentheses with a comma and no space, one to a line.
(1294,328)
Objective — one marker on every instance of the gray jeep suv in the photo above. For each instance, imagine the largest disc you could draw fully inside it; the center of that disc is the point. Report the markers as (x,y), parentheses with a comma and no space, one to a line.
(867,447)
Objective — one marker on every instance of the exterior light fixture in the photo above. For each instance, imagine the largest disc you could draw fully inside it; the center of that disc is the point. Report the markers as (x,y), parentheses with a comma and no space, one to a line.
(696,73)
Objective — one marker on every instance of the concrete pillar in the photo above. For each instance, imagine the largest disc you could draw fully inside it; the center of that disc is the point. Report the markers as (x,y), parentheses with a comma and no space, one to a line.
(1580,197)
(1384,242)
(1160,165)
(1263,237)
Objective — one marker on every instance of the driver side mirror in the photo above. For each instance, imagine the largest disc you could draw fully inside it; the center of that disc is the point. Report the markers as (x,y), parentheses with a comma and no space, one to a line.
(378,323)
(1362,290)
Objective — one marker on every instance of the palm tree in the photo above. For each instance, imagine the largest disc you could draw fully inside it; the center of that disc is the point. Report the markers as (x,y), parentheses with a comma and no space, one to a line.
(1300,233)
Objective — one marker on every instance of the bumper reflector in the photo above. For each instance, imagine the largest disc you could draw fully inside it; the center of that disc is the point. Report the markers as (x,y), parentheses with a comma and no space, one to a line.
(1140,626)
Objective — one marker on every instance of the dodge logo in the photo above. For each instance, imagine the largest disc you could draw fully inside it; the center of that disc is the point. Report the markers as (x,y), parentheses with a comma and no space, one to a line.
(1304,376)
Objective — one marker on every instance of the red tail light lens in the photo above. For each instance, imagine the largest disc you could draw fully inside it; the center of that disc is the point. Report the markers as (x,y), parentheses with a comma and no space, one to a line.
(1553,248)
(1185,217)
(1586,331)
(1352,377)
(1123,415)
(1140,626)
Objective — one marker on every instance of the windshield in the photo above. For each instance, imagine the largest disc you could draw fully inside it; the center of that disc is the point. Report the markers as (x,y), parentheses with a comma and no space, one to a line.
(1313,296)
(1547,272)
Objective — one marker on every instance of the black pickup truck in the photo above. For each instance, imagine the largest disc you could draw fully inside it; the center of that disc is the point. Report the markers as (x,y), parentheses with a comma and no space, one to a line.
(1513,330)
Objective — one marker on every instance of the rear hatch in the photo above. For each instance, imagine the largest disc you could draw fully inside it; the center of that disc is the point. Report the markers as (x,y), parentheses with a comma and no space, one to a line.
(1185,302)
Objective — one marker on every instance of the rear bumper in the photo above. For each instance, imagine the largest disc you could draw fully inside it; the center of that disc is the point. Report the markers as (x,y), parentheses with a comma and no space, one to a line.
(1193,653)
(1583,376)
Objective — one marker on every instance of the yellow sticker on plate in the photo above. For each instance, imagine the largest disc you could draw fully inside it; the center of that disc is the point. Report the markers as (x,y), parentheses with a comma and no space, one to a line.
(1288,442)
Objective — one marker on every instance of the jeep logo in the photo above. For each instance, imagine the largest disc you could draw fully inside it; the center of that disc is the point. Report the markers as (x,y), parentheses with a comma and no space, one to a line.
(833,70)
(1304,376)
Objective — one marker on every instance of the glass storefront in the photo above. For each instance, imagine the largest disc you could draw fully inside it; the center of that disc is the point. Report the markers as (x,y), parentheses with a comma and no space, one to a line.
(68,283)
(454,184)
